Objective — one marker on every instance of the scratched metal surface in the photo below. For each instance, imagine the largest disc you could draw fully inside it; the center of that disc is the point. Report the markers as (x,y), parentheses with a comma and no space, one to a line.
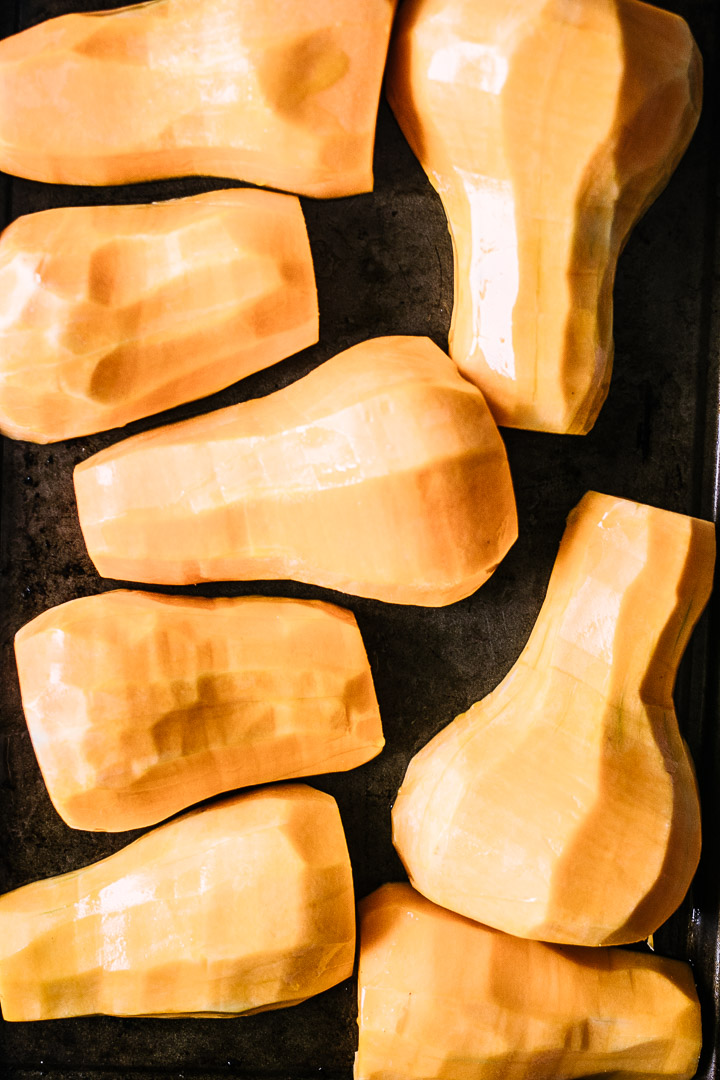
(384,265)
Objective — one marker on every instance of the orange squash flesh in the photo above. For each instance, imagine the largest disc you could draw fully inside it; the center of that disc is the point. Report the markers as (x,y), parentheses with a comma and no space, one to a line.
(442,997)
(284,95)
(140,705)
(239,907)
(380,473)
(547,128)
(563,806)
(110,313)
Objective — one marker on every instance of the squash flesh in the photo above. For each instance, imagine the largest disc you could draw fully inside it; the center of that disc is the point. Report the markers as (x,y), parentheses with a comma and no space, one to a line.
(563,806)
(547,132)
(441,996)
(282,95)
(140,705)
(381,473)
(242,906)
(110,313)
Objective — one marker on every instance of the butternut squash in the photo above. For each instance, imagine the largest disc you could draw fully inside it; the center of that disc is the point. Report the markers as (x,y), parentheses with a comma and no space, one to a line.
(110,313)
(380,473)
(441,996)
(563,806)
(242,906)
(547,128)
(140,705)
(284,95)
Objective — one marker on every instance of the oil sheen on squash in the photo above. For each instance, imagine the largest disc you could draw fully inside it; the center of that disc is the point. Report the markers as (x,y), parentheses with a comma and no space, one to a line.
(547,127)
(139,705)
(110,313)
(442,997)
(282,94)
(242,906)
(381,473)
(563,806)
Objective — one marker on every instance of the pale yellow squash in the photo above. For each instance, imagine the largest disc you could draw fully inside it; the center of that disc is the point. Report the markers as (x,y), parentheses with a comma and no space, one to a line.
(547,127)
(139,705)
(563,806)
(380,473)
(444,998)
(242,906)
(281,94)
(110,313)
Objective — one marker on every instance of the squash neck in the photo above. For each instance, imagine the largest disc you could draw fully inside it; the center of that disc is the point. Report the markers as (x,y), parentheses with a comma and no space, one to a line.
(627,588)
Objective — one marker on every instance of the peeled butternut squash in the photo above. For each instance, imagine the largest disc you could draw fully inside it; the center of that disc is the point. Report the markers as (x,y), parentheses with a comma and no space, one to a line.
(380,473)
(284,95)
(547,128)
(563,806)
(443,997)
(140,705)
(110,313)
(242,906)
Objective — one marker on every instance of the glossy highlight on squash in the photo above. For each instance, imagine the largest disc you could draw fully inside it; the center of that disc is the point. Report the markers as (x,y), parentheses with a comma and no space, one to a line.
(111,313)
(547,128)
(563,806)
(242,906)
(139,705)
(443,997)
(381,473)
(284,95)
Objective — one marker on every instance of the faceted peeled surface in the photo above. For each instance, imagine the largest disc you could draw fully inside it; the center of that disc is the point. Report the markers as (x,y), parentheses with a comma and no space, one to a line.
(139,705)
(443,998)
(110,313)
(563,806)
(547,128)
(283,94)
(245,905)
(380,473)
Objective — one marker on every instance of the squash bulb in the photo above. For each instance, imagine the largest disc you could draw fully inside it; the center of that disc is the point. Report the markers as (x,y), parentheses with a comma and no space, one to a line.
(547,128)
(563,806)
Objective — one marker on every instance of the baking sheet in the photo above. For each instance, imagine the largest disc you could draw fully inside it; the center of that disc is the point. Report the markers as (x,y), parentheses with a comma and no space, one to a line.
(384,265)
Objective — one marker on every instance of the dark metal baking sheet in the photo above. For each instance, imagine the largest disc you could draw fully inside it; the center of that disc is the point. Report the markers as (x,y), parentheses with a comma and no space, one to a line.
(384,265)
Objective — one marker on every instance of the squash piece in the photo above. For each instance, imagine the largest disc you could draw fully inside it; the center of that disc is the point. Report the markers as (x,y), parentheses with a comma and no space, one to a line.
(563,806)
(441,996)
(242,906)
(380,473)
(284,95)
(547,128)
(140,705)
(110,313)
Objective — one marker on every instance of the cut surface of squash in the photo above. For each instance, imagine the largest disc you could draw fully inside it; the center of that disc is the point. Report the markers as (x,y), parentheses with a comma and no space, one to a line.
(110,313)
(441,996)
(563,806)
(283,95)
(380,473)
(139,705)
(547,128)
(238,907)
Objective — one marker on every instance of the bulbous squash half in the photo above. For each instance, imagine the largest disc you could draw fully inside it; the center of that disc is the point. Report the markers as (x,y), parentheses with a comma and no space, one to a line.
(441,996)
(110,313)
(547,127)
(380,473)
(563,806)
(140,705)
(239,907)
(281,94)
